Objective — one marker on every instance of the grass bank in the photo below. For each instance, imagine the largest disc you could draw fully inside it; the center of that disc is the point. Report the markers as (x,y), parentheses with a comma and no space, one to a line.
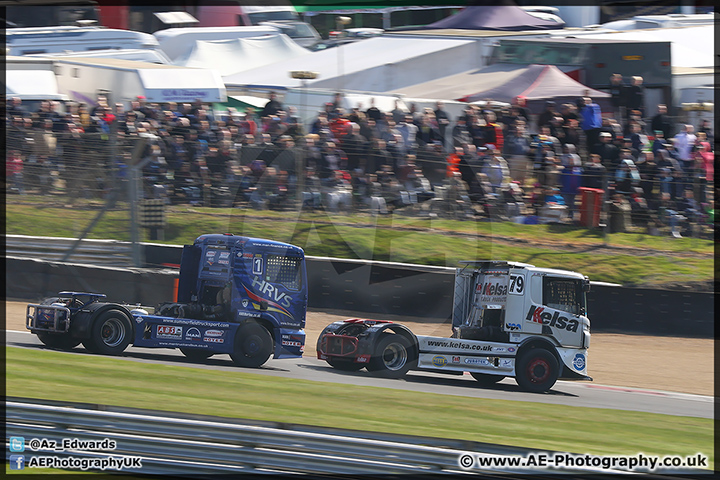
(652,260)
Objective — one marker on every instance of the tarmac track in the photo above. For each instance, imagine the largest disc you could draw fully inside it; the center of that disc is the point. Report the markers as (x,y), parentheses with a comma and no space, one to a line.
(564,393)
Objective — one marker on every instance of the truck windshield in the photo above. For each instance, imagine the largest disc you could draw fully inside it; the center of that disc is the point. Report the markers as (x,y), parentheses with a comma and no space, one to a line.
(564,294)
(285,271)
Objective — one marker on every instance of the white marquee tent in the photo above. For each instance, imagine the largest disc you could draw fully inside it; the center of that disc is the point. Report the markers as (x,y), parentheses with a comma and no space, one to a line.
(229,57)
(378,64)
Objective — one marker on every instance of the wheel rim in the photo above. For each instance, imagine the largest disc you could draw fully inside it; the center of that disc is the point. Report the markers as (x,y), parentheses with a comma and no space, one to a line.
(253,344)
(112,332)
(538,370)
(394,356)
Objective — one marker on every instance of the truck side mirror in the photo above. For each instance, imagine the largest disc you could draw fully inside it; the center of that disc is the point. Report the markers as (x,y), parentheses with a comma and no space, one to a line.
(586,286)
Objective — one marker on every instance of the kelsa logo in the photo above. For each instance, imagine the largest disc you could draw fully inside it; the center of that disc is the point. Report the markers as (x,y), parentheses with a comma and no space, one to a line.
(539,315)
(439,361)
(492,289)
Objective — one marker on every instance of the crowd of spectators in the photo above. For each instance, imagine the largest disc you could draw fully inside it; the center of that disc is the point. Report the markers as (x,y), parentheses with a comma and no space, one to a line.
(501,163)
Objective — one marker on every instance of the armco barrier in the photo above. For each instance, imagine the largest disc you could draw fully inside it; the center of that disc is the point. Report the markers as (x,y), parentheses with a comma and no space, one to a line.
(185,445)
(370,288)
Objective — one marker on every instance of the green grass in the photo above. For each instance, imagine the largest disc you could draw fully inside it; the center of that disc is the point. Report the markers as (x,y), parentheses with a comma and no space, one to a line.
(403,239)
(242,394)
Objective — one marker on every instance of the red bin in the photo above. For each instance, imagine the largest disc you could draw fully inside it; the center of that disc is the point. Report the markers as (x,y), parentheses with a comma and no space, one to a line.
(590,206)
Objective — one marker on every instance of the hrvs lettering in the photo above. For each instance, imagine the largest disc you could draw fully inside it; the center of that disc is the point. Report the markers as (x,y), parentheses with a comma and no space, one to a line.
(539,315)
(269,290)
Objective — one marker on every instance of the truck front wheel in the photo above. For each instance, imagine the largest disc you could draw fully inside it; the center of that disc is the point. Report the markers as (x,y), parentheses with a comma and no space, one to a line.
(392,357)
(111,333)
(536,370)
(63,341)
(253,345)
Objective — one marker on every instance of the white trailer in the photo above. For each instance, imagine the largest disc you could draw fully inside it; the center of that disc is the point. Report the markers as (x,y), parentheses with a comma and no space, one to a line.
(32,80)
(40,40)
(82,79)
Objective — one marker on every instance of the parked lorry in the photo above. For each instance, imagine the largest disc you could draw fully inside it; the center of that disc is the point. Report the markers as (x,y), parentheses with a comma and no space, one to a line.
(508,320)
(242,296)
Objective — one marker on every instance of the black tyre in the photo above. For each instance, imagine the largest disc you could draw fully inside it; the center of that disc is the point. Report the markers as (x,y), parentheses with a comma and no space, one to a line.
(90,346)
(110,334)
(196,353)
(345,365)
(486,378)
(62,341)
(392,357)
(536,370)
(253,345)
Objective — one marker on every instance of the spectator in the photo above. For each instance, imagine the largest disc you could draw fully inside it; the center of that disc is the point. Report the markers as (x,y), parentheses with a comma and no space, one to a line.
(706,128)
(608,152)
(591,121)
(684,142)
(553,208)
(497,172)
(661,122)
(635,96)
(571,177)
(516,149)
(617,92)
(547,115)
(595,173)
(443,120)
(272,107)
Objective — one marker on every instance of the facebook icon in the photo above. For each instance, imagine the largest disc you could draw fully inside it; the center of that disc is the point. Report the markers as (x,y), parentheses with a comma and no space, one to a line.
(17,462)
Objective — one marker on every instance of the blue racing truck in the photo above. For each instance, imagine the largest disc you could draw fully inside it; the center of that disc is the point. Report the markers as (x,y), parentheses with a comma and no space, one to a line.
(242,296)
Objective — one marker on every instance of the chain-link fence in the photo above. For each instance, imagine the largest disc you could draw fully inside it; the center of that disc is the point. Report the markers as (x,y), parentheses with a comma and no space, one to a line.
(80,169)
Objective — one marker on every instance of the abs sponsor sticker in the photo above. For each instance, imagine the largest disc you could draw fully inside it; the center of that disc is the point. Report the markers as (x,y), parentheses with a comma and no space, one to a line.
(169,331)
(439,361)
(579,362)
(455,359)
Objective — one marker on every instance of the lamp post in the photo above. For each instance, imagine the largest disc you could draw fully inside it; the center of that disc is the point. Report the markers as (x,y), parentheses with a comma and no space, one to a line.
(303,76)
(340,23)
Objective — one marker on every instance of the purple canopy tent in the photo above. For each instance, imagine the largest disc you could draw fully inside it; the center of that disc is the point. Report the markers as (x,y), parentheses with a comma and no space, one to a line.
(494,17)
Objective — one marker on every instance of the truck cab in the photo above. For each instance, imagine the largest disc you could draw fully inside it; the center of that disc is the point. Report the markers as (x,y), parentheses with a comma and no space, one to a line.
(509,319)
(246,297)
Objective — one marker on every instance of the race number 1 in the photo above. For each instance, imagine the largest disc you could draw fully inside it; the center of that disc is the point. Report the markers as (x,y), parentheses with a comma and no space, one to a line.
(257,266)
(517,284)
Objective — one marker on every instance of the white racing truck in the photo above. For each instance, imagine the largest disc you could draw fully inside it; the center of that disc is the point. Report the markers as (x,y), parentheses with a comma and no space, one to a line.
(509,320)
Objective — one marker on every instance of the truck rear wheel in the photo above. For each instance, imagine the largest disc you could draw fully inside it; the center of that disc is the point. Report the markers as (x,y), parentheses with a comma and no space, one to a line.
(253,345)
(536,370)
(486,378)
(345,365)
(392,357)
(196,353)
(63,341)
(110,334)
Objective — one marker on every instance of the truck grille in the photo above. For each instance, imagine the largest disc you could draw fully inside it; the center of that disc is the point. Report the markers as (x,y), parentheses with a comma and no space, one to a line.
(339,345)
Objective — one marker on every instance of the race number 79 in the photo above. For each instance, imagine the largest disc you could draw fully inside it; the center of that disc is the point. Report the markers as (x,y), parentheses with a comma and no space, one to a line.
(517,284)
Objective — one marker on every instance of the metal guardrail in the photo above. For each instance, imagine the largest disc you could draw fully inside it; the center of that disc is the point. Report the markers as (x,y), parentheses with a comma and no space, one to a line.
(97,252)
(191,445)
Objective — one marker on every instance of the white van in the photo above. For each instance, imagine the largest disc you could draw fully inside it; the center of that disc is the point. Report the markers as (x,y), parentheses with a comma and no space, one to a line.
(39,40)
